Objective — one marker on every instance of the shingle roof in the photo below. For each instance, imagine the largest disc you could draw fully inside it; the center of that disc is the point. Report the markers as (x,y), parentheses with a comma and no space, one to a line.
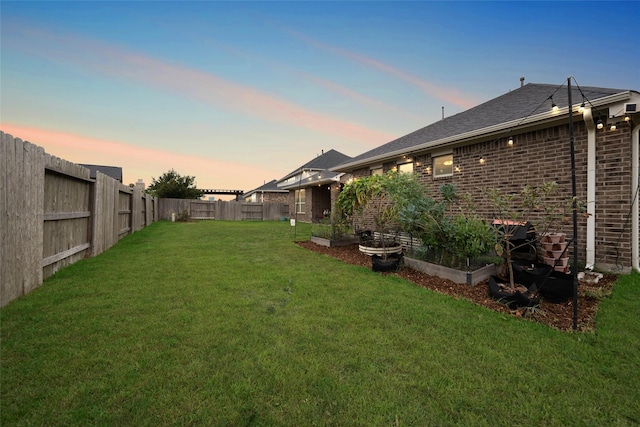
(324,176)
(112,171)
(325,161)
(269,187)
(526,101)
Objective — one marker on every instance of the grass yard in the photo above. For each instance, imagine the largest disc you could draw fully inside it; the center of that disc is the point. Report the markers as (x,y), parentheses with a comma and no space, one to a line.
(232,324)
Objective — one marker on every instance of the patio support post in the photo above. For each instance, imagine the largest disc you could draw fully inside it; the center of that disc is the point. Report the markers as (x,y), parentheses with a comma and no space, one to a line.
(591,189)
(635,186)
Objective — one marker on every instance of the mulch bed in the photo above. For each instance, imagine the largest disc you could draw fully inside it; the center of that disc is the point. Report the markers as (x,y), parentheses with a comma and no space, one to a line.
(555,315)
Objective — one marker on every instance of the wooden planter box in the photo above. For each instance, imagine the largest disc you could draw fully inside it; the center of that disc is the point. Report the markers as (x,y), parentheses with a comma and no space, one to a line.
(343,241)
(457,276)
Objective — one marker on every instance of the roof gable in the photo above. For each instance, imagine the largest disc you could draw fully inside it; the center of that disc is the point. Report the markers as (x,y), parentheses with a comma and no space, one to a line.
(324,161)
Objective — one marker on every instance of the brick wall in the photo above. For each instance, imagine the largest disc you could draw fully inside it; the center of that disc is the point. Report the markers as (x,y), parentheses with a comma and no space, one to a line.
(317,200)
(544,155)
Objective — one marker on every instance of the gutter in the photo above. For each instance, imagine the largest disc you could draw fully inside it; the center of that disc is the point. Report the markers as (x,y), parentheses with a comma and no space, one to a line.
(485,132)
(591,189)
(635,210)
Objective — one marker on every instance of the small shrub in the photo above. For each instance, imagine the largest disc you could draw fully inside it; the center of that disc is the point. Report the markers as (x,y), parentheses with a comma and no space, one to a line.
(183,216)
(597,294)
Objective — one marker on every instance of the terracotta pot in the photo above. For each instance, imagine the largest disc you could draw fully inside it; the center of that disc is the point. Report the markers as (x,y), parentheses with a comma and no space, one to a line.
(554,237)
(548,246)
(557,254)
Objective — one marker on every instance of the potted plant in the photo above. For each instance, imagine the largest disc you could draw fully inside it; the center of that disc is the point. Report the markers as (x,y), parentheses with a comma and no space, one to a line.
(521,219)
(376,200)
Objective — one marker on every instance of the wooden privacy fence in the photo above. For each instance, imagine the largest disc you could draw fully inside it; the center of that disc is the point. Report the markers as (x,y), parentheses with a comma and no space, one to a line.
(53,214)
(222,210)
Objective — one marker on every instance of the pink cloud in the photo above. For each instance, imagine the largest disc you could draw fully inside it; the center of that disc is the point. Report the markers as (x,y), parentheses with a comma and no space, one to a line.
(332,86)
(357,96)
(143,163)
(450,95)
(203,86)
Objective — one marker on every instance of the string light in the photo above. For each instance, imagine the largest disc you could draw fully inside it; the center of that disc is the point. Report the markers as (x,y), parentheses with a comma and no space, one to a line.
(613,126)
(600,125)
(554,107)
(510,142)
(481,160)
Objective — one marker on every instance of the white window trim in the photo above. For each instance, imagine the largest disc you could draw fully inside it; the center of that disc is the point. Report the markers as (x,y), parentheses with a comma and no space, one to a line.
(300,204)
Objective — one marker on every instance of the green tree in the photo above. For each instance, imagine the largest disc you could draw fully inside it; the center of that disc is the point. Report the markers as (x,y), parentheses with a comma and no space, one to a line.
(172,185)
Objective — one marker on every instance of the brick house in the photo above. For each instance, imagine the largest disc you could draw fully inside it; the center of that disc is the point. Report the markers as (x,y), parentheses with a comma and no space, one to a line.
(313,187)
(268,192)
(523,137)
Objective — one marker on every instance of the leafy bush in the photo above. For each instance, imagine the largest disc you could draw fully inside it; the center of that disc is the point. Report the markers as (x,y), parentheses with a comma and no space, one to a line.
(448,228)
(332,228)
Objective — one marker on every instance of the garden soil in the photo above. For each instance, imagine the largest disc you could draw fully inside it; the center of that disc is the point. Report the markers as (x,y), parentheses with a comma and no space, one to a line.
(554,315)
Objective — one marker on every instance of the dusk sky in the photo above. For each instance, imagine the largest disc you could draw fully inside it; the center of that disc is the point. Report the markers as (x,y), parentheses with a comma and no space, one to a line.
(239,93)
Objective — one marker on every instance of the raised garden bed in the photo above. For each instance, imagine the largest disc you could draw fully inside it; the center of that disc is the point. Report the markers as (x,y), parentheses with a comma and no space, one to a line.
(343,241)
(458,276)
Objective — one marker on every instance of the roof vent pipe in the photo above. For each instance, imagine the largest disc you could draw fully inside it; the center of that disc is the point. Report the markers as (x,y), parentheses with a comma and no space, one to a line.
(443,112)
(521,81)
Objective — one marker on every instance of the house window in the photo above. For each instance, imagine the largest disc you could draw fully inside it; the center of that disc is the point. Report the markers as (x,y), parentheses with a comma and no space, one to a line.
(376,171)
(443,166)
(300,199)
(405,168)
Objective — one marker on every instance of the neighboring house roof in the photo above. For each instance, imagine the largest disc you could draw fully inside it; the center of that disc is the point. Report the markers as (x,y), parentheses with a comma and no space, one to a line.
(324,176)
(528,105)
(325,161)
(315,172)
(269,187)
(112,171)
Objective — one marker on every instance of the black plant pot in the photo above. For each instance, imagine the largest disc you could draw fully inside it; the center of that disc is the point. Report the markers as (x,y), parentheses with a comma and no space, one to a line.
(390,263)
(557,288)
(527,273)
(512,299)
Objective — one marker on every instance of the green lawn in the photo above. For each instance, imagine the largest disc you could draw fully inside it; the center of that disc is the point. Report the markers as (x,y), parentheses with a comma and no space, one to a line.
(231,324)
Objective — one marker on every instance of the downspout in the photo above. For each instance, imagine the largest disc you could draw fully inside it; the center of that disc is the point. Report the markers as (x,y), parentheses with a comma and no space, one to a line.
(635,210)
(591,189)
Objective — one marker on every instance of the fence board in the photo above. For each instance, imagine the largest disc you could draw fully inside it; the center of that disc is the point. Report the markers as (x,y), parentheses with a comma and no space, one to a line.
(67,189)
(52,214)
(221,210)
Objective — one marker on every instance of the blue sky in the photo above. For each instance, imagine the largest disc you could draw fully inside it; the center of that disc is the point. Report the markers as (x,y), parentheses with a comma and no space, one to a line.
(238,93)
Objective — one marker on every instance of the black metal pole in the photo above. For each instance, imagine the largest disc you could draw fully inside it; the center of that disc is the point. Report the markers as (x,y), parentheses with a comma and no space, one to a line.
(574,269)
(295,205)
